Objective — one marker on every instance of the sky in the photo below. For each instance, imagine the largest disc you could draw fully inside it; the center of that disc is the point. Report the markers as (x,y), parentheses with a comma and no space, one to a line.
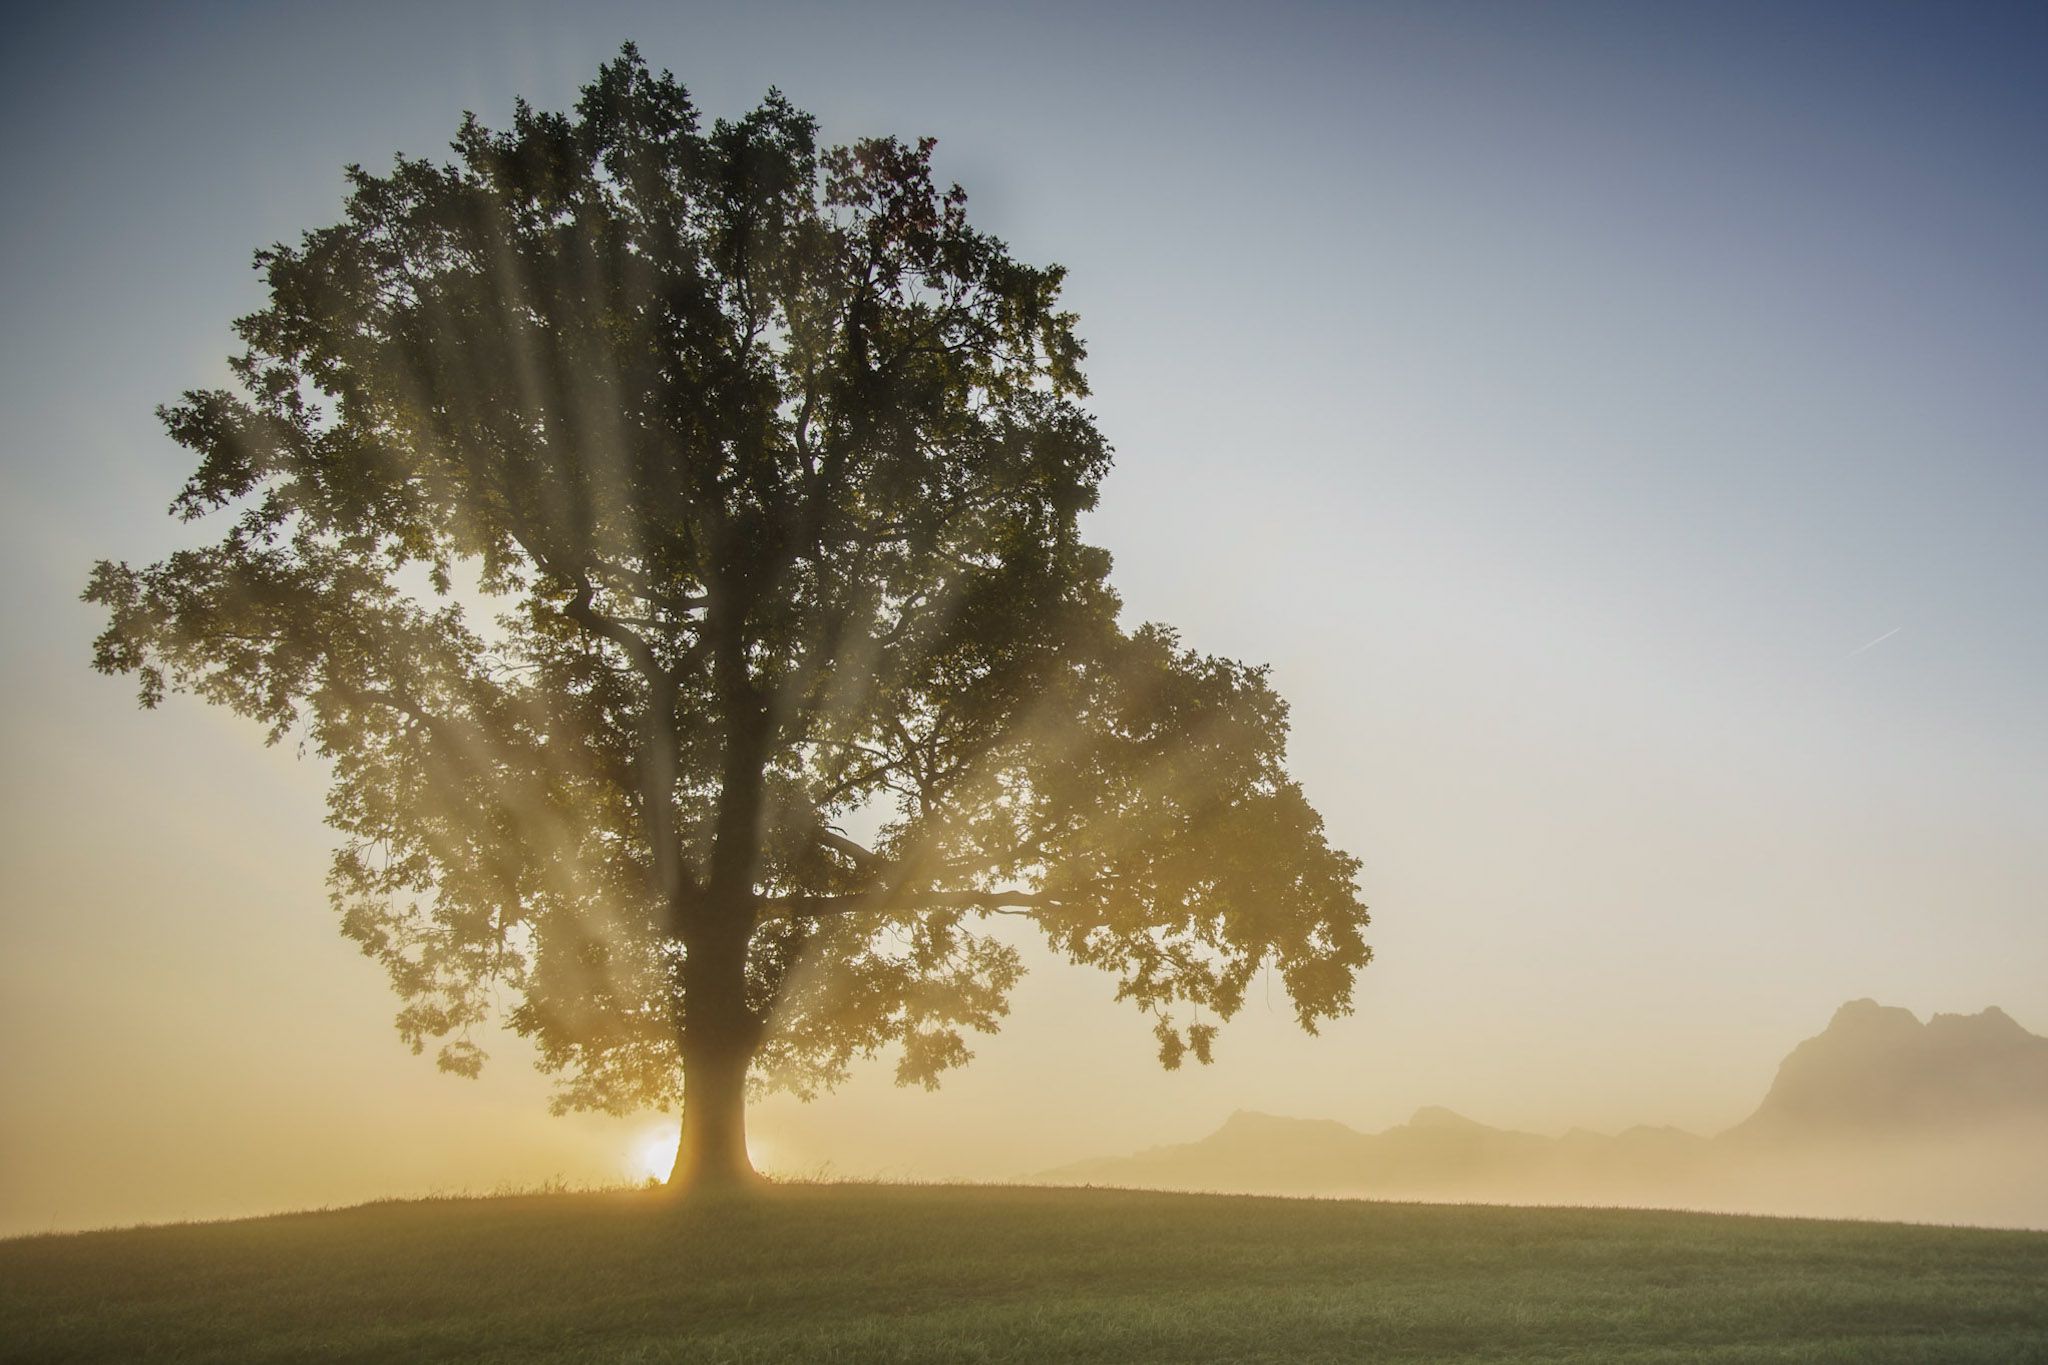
(1623,428)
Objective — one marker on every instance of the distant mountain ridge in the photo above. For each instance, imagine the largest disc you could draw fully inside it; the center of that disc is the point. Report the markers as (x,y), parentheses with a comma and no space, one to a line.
(1436,1154)
(1954,1111)
(1878,1072)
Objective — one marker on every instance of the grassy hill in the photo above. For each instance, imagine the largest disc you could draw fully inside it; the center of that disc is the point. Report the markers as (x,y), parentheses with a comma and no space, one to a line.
(841,1273)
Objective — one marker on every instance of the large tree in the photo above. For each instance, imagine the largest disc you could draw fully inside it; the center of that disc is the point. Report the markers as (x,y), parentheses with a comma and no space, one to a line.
(668,538)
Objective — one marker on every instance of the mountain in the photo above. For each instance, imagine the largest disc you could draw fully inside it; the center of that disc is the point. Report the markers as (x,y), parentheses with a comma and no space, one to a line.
(1268,1154)
(1878,1115)
(1437,1154)
(1877,1072)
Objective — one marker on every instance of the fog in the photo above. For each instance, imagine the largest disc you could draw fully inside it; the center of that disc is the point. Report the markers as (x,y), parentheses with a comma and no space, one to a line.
(1627,455)
(1992,1177)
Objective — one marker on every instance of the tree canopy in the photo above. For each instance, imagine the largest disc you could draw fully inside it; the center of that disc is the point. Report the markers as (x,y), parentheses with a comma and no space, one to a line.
(669,538)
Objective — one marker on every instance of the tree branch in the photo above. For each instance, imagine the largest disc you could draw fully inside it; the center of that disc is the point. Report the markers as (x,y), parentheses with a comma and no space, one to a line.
(625,637)
(887,898)
(861,857)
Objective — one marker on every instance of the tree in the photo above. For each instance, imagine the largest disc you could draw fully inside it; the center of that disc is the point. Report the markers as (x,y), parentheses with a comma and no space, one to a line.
(669,539)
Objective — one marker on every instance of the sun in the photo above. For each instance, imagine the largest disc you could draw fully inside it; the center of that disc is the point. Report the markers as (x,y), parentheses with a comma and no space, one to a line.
(654,1154)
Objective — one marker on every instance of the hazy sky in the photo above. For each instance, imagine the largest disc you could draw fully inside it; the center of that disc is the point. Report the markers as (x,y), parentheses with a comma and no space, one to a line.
(1623,427)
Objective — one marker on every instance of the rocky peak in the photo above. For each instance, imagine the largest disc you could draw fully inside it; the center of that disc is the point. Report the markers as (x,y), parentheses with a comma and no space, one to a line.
(1877,1070)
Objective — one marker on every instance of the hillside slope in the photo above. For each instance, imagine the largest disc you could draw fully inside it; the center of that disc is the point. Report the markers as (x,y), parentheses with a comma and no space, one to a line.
(842,1273)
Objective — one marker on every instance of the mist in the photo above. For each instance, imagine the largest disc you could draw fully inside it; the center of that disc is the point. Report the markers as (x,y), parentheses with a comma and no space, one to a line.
(1626,453)
(1879,1116)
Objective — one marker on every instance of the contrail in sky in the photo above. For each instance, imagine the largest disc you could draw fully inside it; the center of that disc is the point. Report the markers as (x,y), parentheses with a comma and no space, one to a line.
(1874,643)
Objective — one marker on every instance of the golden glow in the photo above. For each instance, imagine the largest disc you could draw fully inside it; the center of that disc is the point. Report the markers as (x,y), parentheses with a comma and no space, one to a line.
(654,1154)
(1584,662)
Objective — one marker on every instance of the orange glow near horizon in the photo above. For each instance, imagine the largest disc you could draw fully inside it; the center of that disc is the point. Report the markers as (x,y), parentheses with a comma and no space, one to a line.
(654,1154)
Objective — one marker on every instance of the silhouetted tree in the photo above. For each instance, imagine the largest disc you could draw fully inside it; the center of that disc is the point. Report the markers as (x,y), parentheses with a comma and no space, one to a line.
(668,537)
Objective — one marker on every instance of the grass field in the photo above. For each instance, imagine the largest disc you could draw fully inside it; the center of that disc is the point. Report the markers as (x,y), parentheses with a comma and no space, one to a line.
(843,1273)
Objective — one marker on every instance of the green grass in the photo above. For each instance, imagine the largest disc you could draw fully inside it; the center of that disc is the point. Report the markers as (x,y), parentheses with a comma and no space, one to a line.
(843,1273)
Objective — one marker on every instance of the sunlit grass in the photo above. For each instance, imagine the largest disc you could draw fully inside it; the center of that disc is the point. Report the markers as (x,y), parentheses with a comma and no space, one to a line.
(838,1272)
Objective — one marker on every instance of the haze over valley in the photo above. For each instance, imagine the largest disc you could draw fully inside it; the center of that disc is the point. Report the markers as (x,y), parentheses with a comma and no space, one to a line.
(1878,1116)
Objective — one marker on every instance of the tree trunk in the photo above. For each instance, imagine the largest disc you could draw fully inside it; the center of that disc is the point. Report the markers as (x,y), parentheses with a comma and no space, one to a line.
(712,1156)
(720,1035)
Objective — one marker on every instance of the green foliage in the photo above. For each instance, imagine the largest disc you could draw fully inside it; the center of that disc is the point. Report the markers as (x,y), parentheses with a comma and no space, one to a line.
(628,512)
(880,1273)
